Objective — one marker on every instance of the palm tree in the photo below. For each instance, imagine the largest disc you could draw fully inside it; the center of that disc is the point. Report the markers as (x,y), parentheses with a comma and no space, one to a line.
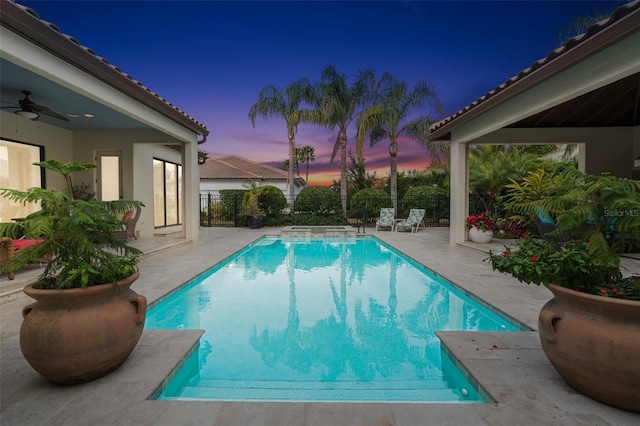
(439,151)
(286,103)
(584,20)
(306,154)
(340,102)
(393,105)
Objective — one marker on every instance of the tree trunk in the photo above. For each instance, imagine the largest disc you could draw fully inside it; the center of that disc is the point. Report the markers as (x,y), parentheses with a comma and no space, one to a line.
(343,171)
(393,178)
(292,159)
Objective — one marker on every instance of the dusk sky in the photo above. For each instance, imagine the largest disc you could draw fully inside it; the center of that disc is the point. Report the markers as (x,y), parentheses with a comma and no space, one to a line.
(211,58)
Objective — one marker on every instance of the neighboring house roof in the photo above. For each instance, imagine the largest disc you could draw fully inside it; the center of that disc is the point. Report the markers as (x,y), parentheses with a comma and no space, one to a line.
(236,167)
(27,23)
(624,21)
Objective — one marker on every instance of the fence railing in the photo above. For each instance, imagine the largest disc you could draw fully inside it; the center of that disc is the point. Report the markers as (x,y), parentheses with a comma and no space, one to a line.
(226,211)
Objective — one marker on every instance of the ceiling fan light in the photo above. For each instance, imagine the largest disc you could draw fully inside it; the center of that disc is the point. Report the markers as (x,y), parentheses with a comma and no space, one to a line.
(28,114)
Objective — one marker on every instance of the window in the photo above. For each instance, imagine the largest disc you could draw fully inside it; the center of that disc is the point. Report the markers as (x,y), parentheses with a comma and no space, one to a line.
(167,193)
(18,172)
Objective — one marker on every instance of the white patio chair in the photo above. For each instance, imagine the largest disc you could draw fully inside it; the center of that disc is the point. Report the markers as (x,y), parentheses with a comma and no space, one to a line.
(412,222)
(386,219)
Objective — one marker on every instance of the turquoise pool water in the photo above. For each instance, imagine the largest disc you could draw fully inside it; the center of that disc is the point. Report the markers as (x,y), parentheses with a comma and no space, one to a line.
(333,320)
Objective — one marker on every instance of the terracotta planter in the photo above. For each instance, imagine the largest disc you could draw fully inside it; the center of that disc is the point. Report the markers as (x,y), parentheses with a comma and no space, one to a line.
(478,235)
(78,335)
(594,343)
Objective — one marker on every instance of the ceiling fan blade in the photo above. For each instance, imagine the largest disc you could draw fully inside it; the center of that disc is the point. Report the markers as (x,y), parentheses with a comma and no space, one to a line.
(28,105)
(47,111)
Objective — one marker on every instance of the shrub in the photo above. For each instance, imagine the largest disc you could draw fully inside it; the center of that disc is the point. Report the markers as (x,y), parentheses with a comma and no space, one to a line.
(371,201)
(271,200)
(318,200)
(431,198)
(311,219)
(216,210)
(231,200)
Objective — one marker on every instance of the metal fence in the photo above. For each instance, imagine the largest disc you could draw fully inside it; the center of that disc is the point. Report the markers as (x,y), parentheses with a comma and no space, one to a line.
(226,211)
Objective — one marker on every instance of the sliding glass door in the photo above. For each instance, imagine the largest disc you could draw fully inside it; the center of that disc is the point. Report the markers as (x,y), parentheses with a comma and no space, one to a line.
(18,172)
(167,193)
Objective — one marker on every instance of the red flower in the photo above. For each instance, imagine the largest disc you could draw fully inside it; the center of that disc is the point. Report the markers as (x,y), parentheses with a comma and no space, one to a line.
(506,252)
(603,291)
(481,221)
(534,258)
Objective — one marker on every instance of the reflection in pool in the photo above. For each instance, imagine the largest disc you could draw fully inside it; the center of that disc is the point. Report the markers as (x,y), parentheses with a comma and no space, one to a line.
(314,320)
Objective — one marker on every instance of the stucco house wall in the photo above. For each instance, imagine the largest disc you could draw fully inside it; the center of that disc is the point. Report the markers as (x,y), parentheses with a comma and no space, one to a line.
(57,142)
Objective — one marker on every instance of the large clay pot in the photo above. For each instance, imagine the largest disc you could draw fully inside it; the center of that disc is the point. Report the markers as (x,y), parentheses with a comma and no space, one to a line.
(78,335)
(594,343)
(478,235)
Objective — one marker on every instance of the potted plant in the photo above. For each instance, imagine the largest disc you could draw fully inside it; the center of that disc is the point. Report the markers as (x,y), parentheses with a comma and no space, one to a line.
(480,228)
(590,329)
(251,206)
(86,319)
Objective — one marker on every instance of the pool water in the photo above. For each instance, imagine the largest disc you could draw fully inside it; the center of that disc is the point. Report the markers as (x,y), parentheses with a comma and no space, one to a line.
(313,320)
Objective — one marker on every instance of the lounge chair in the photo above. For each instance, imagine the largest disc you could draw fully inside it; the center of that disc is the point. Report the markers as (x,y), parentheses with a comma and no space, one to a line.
(10,247)
(544,222)
(386,219)
(412,222)
(129,221)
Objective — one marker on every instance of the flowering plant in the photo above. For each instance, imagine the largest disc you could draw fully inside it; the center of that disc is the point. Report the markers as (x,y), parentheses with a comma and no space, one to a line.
(512,228)
(481,221)
(567,264)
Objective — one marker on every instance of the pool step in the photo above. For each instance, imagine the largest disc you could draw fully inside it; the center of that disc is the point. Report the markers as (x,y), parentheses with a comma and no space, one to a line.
(424,390)
(421,395)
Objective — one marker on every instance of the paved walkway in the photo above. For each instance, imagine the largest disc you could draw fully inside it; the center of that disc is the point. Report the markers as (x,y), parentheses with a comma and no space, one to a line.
(510,366)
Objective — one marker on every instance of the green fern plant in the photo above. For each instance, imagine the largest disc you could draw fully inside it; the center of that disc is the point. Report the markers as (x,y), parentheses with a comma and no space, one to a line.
(77,235)
(607,216)
(598,216)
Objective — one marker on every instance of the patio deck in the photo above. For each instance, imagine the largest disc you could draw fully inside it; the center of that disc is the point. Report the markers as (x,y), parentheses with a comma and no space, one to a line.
(510,366)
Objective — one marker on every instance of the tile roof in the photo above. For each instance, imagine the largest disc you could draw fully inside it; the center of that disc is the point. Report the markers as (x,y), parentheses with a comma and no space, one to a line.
(97,60)
(236,167)
(617,16)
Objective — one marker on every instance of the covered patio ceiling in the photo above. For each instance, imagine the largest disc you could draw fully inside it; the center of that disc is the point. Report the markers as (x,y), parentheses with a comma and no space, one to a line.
(614,105)
(57,98)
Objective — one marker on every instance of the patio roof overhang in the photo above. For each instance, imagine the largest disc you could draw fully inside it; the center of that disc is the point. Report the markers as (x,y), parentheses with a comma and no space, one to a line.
(612,103)
(61,93)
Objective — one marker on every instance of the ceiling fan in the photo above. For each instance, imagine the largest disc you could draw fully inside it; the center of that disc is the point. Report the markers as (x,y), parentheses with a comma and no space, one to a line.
(29,109)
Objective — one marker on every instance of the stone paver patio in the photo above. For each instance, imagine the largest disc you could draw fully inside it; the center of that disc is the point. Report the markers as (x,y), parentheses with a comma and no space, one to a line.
(510,366)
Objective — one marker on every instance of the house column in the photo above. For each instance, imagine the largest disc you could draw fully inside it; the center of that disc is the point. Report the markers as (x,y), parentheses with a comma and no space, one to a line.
(190,190)
(459,191)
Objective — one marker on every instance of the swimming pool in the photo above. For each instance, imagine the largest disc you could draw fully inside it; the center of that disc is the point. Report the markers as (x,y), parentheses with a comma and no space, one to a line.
(321,320)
